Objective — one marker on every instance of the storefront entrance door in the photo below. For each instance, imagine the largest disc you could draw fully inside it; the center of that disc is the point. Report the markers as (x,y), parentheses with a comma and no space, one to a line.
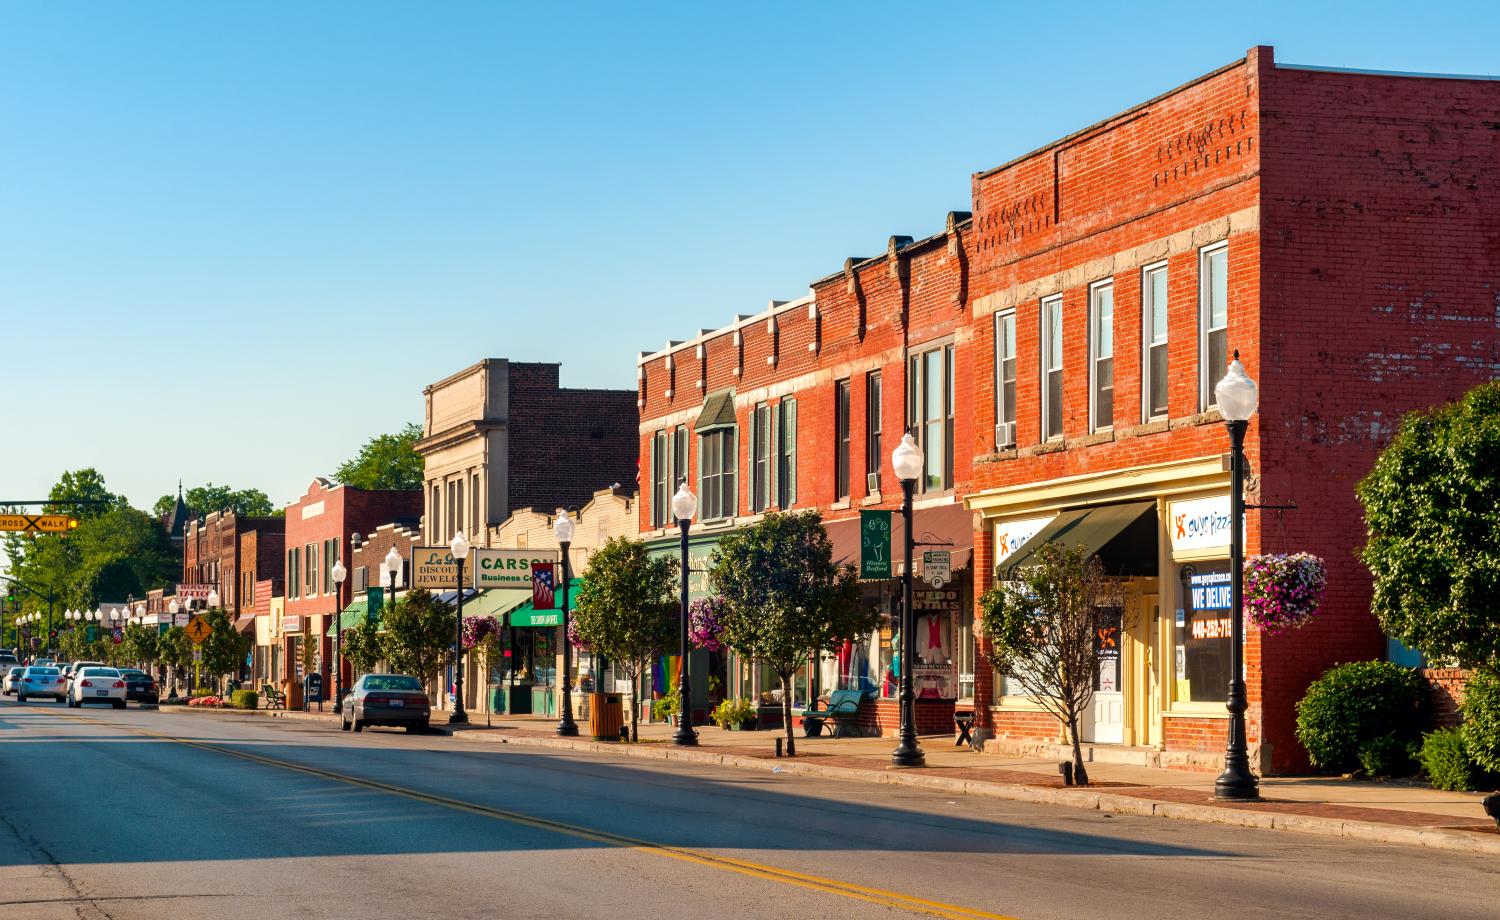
(1106,722)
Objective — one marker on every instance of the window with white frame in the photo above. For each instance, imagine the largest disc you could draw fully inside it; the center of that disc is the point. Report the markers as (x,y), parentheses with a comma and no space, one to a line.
(659,486)
(1154,323)
(872,431)
(760,457)
(1005,379)
(1101,355)
(1052,368)
(929,413)
(1213,320)
(717,473)
(786,454)
(679,458)
(841,439)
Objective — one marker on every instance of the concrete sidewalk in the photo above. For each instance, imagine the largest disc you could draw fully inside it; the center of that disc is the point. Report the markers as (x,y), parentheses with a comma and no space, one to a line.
(1391,812)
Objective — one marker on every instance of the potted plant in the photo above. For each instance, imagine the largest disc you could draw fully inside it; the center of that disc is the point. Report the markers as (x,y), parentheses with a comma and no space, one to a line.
(667,708)
(735,715)
(1283,591)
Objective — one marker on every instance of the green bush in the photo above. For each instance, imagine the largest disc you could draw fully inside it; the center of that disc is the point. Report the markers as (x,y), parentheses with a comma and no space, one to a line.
(733,712)
(244,699)
(1387,755)
(666,707)
(204,691)
(1481,729)
(1352,706)
(1448,765)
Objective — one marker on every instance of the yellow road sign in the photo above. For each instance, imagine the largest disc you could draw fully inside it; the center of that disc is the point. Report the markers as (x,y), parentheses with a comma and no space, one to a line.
(198,630)
(37,523)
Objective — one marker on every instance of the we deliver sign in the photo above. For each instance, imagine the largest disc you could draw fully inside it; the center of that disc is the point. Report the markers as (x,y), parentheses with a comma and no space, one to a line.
(509,568)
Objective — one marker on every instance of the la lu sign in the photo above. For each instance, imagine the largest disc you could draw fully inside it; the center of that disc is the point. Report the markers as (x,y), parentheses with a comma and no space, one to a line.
(433,568)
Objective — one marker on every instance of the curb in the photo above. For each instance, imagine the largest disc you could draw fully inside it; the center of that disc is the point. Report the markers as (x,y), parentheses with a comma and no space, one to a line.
(1107,802)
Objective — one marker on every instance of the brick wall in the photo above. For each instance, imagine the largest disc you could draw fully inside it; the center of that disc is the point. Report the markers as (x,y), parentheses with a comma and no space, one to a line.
(566,444)
(1446,691)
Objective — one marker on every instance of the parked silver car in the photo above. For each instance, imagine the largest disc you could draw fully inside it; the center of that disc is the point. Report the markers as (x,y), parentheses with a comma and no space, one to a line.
(42,681)
(387,699)
(11,680)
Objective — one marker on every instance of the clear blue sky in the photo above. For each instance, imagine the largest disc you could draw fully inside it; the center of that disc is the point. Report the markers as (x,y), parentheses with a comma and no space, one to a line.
(236,239)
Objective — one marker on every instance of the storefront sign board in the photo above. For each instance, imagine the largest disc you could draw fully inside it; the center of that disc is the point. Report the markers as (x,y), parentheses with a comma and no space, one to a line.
(1199,523)
(434,568)
(937,567)
(508,568)
(1010,535)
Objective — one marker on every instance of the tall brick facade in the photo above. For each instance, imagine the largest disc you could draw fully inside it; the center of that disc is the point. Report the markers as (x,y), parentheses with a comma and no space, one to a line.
(232,553)
(1337,229)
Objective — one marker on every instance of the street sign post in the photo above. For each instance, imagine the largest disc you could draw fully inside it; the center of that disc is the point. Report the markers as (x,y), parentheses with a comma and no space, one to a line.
(198,630)
(37,523)
(937,567)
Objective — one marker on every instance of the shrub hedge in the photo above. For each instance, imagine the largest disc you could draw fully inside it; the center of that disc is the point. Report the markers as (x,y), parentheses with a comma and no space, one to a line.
(1481,728)
(244,699)
(1372,707)
(1447,764)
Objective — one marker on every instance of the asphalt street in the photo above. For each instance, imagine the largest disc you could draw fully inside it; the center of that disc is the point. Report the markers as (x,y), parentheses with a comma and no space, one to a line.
(162,814)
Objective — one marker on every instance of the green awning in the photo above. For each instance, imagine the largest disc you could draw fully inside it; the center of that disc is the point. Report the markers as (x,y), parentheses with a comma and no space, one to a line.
(527,615)
(1086,528)
(496,602)
(353,615)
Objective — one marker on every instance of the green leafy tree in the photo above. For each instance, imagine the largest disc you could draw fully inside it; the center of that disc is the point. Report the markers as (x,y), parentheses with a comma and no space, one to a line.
(175,650)
(417,635)
(73,644)
(386,461)
(1432,509)
(224,649)
(623,610)
(785,598)
(362,648)
(206,499)
(1042,630)
(82,485)
(139,644)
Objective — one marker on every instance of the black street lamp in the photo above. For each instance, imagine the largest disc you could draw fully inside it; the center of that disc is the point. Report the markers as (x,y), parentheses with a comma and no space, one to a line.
(459,546)
(1237,397)
(338,574)
(907,461)
(562,528)
(684,506)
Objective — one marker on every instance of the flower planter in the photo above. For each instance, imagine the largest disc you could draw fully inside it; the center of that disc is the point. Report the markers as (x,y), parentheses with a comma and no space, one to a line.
(1283,591)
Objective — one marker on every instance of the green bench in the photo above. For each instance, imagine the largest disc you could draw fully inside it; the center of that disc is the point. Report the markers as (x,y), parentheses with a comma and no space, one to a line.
(842,709)
(275,699)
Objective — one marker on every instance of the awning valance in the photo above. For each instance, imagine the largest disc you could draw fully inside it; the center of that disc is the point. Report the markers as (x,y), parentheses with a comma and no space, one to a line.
(1089,529)
(245,625)
(528,616)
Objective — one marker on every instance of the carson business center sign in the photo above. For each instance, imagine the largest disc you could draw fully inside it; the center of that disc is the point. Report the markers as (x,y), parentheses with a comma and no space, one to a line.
(509,568)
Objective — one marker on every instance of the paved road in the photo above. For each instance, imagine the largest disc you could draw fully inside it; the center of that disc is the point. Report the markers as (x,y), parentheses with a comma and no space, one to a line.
(147,814)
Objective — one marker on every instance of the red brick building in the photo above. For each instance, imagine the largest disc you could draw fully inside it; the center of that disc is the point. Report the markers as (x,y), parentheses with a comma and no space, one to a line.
(233,553)
(318,529)
(1338,229)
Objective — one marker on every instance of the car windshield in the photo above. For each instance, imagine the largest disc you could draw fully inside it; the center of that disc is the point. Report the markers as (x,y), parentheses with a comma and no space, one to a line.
(100,672)
(392,682)
(44,672)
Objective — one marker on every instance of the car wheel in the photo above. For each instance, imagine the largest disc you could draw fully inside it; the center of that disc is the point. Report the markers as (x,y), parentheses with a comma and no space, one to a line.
(344,725)
(359,726)
(412,728)
(119,704)
(21,698)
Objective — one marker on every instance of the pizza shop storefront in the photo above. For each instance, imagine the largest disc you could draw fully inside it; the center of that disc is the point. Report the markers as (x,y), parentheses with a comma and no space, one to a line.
(1162,533)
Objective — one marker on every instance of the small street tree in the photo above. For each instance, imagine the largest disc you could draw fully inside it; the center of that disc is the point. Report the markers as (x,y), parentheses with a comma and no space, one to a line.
(175,650)
(1043,632)
(362,648)
(624,610)
(1432,509)
(417,635)
(138,644)
(224,648)
(784,598)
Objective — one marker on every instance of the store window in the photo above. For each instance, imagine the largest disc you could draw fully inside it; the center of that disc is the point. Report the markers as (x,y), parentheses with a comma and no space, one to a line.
(1202,652)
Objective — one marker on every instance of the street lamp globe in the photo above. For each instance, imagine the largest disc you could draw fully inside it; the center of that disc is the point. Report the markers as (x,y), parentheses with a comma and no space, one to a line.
(173,607)
(684,503)
(140,610)
(213,598)
(906,459)
(459,546)
(1237,394)
(393,561)
(338,573)
(563,527)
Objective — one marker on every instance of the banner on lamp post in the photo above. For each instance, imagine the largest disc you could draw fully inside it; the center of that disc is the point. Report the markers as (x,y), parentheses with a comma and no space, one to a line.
(875,544)
(543,585)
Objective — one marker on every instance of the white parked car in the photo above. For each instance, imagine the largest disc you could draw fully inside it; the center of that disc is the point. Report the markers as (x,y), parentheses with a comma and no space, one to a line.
(11,680)
(42,681)
(97,685)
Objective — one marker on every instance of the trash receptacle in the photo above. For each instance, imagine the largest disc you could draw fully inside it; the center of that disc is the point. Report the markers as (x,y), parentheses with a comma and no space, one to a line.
(606,716)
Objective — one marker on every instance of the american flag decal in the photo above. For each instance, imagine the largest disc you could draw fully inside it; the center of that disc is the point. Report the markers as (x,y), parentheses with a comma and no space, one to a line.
(543,583)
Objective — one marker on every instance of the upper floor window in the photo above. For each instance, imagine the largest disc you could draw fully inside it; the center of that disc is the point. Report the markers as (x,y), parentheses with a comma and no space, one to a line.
(841,439)
(786,454)
(660,492)
(679,457)
(1005,379)
(1154,321)
(310,568)
(717,474)
(760,457)
(1101,355)
(1213,320)
(872,431)
(929,412)
(1052,368)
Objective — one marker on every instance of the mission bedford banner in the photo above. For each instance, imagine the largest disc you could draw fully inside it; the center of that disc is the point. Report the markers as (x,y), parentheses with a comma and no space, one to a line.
(509,568)
(433,568)
(874,544)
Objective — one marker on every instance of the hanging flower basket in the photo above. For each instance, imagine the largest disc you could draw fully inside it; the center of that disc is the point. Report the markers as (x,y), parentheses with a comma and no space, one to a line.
(1283,591)
(706,623)
(476,629)
(574,639)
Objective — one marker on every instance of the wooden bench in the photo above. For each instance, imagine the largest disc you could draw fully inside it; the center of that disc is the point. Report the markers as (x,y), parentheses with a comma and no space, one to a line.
(842,708)
(275,699)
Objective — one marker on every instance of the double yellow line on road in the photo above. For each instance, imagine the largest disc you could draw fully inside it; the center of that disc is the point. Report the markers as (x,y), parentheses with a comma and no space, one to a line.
(776,874)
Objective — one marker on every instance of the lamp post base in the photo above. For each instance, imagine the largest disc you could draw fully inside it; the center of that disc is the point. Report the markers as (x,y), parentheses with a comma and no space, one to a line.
(1237,784)
(685,736)
(566,727)
(908,754)
(459,717)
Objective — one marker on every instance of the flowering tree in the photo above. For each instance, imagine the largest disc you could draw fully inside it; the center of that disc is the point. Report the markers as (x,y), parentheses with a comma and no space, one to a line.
(1283,591)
